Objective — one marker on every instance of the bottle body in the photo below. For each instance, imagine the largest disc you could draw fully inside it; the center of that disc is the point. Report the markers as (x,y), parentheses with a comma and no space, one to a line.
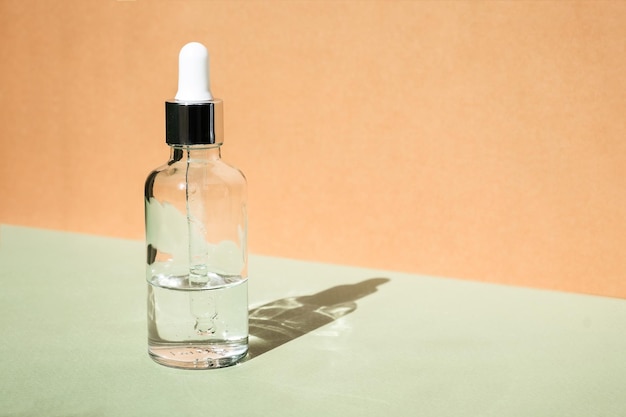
(196,272)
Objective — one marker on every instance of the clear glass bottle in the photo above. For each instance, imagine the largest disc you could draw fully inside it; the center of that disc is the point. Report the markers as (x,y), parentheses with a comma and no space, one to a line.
(196,233)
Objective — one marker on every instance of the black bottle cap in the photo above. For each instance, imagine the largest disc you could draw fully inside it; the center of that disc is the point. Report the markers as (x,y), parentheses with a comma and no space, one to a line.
(194,123)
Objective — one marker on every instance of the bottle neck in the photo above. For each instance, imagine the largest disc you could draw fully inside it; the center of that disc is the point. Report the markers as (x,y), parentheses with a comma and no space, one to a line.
(195,152)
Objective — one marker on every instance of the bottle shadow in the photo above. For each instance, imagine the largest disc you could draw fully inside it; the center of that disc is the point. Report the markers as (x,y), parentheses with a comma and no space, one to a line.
(278,322)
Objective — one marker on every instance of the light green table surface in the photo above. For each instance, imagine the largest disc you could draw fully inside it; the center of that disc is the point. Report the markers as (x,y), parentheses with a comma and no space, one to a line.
(74,344)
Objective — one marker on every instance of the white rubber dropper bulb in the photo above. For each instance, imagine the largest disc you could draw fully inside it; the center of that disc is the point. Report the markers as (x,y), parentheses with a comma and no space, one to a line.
(193,73)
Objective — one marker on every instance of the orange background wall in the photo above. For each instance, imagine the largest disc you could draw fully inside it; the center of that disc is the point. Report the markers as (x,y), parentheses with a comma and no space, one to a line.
(479,140)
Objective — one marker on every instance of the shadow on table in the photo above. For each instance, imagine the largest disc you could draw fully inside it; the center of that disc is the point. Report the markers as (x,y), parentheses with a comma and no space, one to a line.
(280,321)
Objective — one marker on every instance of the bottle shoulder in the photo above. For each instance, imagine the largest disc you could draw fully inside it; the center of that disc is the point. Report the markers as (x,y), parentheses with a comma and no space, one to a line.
(212,169)
(234,171)
(175,177)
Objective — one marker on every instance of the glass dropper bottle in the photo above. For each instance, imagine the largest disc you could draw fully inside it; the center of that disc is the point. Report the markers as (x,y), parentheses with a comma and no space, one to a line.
(196,233)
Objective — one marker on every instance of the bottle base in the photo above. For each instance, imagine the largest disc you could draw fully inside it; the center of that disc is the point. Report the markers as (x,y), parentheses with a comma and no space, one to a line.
(198,356)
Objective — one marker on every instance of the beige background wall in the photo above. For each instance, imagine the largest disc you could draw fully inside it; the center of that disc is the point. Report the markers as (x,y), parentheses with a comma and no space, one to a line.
(479,140)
